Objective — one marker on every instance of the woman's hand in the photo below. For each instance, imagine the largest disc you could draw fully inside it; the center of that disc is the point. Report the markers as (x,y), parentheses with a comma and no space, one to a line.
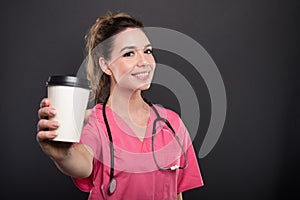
(73,160)
(46,131)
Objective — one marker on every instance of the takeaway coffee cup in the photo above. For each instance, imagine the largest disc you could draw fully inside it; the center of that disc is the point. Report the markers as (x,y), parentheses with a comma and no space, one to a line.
(69,96)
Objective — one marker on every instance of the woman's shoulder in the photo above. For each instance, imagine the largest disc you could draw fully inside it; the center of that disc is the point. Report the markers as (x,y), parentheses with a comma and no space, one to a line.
(92,114)
(173,117)
(166,112)
(97,111)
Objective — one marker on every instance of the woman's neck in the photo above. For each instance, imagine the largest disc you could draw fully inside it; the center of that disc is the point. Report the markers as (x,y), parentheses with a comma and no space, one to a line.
(129,105)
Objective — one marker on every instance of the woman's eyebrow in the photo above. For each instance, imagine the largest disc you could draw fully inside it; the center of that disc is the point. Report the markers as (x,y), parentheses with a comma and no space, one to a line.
(134,47)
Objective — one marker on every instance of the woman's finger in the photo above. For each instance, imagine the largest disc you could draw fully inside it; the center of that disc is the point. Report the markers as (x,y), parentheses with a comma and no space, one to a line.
(46,112)
(44,124)
(45,103)
(45,135)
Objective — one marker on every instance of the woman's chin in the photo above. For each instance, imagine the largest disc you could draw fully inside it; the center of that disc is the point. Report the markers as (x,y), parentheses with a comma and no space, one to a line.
(145,87)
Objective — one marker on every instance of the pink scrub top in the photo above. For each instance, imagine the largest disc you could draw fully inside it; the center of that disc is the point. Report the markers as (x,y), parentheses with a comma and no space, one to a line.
(136,173)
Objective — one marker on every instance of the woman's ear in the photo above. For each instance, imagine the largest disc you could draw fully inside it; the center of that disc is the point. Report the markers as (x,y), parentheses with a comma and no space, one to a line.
(104,66)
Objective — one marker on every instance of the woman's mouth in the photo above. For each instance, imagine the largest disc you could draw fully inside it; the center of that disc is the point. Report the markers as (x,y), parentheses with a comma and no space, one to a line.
(141,75)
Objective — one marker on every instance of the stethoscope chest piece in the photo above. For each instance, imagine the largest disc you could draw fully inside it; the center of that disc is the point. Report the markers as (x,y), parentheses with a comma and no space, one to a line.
(112,186)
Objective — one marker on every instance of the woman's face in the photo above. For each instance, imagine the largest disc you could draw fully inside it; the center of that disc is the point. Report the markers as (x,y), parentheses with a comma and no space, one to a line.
(132,64)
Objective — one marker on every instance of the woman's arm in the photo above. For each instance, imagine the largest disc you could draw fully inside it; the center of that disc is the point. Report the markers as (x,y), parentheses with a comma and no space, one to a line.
(75,160)
(179,196)
(78,163)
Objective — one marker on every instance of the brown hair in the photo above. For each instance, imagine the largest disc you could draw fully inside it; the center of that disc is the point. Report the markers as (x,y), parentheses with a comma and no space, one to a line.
(99,43)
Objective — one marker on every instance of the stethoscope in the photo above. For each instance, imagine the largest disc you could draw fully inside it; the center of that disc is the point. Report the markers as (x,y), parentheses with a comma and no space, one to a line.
(112,181)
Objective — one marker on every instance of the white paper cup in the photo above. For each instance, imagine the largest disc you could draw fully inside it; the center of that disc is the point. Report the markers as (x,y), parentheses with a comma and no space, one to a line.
(69,96)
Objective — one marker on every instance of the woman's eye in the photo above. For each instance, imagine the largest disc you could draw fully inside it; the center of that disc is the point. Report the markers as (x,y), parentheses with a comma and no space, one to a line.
(149,51)
(128,54)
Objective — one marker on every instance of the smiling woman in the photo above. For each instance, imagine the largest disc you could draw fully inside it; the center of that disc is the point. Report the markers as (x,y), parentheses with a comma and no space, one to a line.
(131,64)
(129,148)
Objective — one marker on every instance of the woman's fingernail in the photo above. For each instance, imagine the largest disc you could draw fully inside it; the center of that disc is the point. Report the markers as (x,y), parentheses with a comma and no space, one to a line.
(52,111)
(53,134)
(56,124)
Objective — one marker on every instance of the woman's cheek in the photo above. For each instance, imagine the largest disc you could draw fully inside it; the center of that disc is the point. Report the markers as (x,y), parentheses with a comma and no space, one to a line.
(121,71)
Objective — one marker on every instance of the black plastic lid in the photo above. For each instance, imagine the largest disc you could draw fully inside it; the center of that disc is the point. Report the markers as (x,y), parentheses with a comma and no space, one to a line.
(68,81)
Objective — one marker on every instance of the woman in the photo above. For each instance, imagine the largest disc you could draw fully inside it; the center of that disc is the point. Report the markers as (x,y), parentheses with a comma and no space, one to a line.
(124,152)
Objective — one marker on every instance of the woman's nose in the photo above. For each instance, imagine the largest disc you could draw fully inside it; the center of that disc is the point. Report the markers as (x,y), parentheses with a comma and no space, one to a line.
(142,59)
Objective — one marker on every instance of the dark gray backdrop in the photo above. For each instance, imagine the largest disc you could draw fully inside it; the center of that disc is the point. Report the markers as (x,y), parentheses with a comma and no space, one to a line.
(255,45)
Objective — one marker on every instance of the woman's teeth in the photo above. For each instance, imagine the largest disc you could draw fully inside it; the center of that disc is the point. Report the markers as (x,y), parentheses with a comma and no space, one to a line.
(142,76)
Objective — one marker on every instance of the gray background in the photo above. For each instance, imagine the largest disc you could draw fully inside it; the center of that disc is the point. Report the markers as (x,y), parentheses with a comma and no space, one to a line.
(255,45)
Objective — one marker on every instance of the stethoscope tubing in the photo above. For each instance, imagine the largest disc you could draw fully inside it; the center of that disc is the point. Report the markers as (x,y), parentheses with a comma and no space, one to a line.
(112,180)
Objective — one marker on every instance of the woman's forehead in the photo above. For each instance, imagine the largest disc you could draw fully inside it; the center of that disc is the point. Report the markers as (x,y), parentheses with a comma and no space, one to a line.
(133,37)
